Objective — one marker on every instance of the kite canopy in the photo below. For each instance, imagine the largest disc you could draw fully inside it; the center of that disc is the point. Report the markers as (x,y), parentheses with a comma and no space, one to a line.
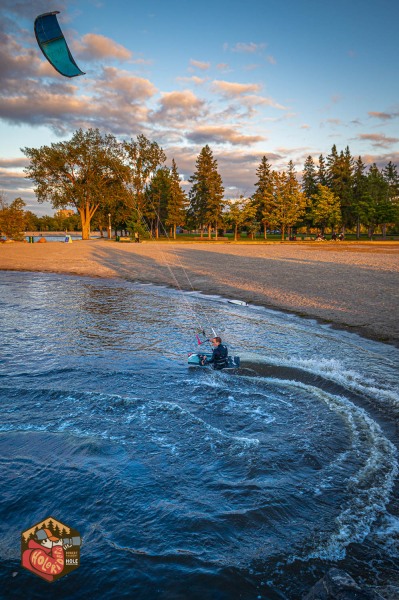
(53,45)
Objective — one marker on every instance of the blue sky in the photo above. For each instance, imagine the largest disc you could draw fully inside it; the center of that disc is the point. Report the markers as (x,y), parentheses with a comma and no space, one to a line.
(249,78)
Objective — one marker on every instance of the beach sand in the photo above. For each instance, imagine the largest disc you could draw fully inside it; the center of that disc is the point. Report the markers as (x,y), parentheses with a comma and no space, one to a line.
(350,285)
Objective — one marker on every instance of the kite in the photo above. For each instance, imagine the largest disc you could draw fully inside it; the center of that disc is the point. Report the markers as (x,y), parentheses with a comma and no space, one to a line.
(53,45)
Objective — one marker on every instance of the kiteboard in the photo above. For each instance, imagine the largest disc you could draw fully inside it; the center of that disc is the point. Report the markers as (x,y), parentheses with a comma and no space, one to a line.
(239,302)
(194,360)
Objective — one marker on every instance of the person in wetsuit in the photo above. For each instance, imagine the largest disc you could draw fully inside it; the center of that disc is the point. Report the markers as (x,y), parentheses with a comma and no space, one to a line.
(219,359)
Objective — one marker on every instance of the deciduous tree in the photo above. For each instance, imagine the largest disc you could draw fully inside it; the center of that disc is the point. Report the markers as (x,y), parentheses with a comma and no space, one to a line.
(85,172)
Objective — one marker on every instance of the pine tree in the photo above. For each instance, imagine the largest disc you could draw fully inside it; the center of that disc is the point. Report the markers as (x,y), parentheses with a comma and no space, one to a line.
(326,208)
(309,187)
(374,210)
(340,181)
(289,200)
(263,196)
(177,202)
(206,193)
(359,191)
(157,197)
(321,171)
(391,177)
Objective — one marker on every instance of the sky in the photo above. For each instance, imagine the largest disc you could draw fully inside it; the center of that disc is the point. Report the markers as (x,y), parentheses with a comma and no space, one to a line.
(250,78)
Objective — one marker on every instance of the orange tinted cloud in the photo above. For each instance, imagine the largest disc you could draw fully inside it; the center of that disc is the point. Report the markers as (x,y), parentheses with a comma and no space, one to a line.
(94,47)
(232,90)
(222,134)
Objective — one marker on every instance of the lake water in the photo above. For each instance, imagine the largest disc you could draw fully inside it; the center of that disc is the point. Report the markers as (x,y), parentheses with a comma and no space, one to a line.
(186,483)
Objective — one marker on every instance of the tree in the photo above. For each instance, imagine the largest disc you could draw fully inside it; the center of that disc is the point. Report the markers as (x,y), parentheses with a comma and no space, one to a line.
(391,177)
(177,201)
(85,172)
(143,158)
(289,201)
(326,208)
(206,193)
(321,171)
(12,218)
(372,203)
(360,193)
(157,197)
(309,187)
(340,181)
(263,196)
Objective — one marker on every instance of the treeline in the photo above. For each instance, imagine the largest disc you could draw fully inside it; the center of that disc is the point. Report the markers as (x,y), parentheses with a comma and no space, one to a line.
(15,220)
(126,183)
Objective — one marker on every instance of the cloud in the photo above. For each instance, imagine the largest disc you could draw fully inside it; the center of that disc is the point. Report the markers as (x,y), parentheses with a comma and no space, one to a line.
(16,162)
(254,100)
(194,79)
(223,67)
(271,60)
(245,47)
(132,88)
(203,66)
(221,135)
(232,90)
(95,47)
(178,107)
(379,140)
(383,116)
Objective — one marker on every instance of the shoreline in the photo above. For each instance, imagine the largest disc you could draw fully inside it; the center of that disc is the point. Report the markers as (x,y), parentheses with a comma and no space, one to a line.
(349,286)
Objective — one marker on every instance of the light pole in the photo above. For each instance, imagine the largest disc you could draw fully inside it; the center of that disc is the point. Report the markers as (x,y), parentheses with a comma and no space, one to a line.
(109,225)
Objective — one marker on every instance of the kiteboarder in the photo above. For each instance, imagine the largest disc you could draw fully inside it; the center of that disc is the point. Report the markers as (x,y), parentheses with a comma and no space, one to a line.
(219,358)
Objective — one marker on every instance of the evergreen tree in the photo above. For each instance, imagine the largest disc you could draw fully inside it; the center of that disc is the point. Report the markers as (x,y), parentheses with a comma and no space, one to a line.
(391,177)
(177,201)
(374,209)
(263,196)
(331,166)
(360,193)
(157,197)
(289,200)
(321,171)
(206,193)
(326,208)
(309,187)
(340,181)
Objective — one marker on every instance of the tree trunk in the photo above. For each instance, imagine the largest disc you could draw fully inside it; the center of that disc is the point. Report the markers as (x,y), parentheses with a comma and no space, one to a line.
(358,229)
(282,232)
(384,231)
(235,232)
(216,230)
(209,232)
(174,231)
(265,230)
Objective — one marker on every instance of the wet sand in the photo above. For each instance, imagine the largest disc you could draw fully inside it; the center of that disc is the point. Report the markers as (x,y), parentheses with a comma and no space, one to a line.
(350,285)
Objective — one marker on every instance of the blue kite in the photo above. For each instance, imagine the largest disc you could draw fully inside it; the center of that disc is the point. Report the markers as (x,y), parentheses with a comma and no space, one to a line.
(53,45)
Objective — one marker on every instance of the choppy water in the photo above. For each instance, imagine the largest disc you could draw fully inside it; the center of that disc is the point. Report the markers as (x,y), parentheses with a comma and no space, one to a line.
(190,483)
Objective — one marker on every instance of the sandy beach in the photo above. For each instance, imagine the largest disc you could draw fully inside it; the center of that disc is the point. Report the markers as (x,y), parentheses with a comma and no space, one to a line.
(350,285)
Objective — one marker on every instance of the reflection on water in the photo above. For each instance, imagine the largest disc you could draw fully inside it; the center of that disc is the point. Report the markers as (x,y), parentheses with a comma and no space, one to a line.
(183,481)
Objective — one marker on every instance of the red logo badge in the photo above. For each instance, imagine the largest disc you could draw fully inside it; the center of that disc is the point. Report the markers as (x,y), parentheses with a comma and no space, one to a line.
(50,549)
